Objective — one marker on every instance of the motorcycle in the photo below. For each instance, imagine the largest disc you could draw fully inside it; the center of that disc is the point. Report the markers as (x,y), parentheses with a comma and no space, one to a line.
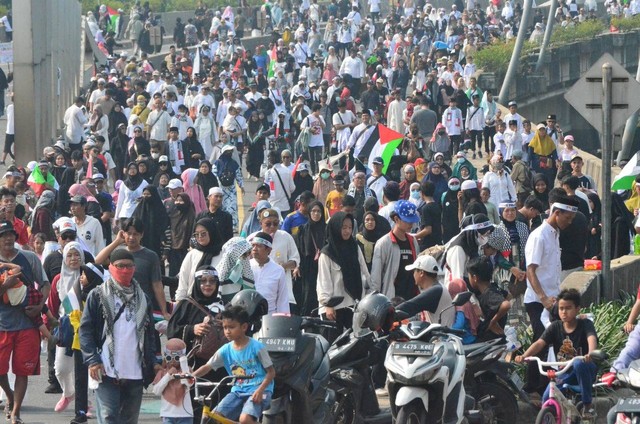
(627,409)
(425,374)
(300,358)
(492,382)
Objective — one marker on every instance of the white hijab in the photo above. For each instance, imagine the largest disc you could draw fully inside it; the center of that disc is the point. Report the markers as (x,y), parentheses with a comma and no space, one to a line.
(68,276)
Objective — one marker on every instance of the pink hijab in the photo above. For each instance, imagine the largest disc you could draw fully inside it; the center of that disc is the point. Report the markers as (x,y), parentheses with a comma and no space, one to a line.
(79,189)
(193,190)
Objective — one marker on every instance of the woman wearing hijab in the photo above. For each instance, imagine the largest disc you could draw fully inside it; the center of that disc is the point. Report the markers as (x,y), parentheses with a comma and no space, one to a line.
(436,178)
(449,202)
(409,178)
(130,192)
(541,189)
(310,239)
(206,253)
(252,224)
(164,167)
(116,117)
(42,216)
(302,180)
(206,130)
(228,172)
(369,234)
(144,170)
(466,318)
(337,275)
(323,184)
(205,178)
(59,166)
(138,145)
(181,218)
(64,298)
(422,167)
(382,223)
(256,135)
(152,212)
(543,153)
(475,230)
(192,149)
(193,190)
(234,268)
(188,320)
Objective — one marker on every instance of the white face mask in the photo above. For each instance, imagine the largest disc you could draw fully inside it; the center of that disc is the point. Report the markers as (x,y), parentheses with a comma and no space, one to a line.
(482,239)
(155,155)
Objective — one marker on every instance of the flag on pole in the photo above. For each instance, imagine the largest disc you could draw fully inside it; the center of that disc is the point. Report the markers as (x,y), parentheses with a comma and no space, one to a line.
(382,142)
(273,56)
(196,64)
(627,176)
(113,17)
(37,181)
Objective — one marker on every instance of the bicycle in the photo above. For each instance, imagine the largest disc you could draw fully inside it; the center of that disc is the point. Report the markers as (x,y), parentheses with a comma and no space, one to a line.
(559,409)
(209,415)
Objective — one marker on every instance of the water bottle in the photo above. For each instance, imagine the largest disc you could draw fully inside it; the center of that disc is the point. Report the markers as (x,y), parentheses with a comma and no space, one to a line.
(184,367)
(511,336)
(636,244)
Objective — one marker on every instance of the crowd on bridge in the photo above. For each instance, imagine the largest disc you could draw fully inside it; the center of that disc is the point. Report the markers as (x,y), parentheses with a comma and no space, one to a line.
(142,191)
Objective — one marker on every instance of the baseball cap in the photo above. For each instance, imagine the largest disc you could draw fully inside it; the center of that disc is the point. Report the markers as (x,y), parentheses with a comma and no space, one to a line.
(378,160)
(78,199)
(512,103)
(425,263)
(163,158)
(263,187)
(577,157)
(98,177)
(269,213)
(65,224)
(174,183)
(406,211)
(303,167)
(5,227)
(156,73)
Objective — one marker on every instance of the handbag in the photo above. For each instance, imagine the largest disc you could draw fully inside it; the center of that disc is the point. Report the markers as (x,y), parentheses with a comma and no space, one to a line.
(205,346)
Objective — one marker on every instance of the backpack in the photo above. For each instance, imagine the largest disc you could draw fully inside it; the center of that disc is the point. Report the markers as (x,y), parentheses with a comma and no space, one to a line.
(64,332)
(437,252)
(527,184)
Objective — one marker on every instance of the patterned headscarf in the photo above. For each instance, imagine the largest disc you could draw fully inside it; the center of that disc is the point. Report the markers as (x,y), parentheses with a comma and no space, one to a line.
(234,268)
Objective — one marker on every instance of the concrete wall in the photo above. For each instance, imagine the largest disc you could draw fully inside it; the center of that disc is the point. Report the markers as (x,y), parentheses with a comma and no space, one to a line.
(47,66)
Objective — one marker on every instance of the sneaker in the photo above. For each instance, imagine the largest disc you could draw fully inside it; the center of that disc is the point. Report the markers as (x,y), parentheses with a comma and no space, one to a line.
(589,416)
(63,403)
(79,419)
(382,392)
(53,388)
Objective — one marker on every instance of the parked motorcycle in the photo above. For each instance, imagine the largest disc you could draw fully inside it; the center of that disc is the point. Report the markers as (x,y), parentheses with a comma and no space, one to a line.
(627,409)
(426,373)
(301,393)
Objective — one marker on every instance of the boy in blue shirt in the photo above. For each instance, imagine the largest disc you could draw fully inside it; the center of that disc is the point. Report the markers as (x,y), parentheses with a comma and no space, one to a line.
(242,356)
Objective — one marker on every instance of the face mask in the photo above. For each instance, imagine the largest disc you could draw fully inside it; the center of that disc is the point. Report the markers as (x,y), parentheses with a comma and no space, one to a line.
(454,187)
(181,207)
(415,195)
(122,276)
(155,155)
(264,97)
(482,239)
(324,175)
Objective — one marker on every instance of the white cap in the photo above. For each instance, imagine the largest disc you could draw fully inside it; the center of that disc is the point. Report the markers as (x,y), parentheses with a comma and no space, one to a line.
(468,185)
(65,224)
(163,158)
(215,190)
(425,263)
(174,183)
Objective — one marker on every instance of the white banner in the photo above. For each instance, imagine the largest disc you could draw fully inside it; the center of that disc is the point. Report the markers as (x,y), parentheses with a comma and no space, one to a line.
(6,52)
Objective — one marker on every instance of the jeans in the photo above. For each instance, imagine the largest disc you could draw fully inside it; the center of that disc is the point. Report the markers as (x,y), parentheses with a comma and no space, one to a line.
(177,420)
(535,380)
(582,374)
(118,403)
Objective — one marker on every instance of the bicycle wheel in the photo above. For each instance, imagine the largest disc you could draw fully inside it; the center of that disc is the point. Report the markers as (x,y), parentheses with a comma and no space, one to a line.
(547,415)
(497,403)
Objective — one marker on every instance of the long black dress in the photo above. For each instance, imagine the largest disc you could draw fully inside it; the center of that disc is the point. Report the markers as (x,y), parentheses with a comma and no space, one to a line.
(255,155)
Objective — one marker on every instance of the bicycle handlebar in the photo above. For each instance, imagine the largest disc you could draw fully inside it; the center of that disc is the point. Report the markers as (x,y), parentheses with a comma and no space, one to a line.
(566,364)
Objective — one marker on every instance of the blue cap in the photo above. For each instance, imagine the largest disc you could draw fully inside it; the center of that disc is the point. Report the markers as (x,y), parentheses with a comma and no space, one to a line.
(407,211)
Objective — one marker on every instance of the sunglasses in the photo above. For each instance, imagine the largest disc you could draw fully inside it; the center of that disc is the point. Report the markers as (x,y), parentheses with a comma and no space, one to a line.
(271,224)
(68,236)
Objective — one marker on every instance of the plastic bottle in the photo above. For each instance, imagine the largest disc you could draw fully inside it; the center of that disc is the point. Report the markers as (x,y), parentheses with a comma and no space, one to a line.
(636,244)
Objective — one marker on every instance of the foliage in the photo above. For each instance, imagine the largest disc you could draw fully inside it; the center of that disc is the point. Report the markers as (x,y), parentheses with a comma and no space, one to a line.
(626,24)
(586,30)
(495,57)
(160,5)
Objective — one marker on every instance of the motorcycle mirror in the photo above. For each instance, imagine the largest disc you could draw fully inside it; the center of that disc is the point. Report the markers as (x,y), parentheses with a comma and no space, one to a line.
(598,355)
(334,301)
(461,298)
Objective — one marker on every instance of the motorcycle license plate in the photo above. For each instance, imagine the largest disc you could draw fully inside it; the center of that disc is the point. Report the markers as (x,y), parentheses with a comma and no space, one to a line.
(631,404)
(515,379)
(413,349)
(279,344)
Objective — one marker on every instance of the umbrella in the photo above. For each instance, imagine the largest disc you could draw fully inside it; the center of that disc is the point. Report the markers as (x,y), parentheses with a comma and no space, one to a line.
(627,177)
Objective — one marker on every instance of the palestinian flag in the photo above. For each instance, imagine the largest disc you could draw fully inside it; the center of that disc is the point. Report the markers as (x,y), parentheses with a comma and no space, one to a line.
(113,16)
(272,62)
(627,176)
(37,181)
(382,142)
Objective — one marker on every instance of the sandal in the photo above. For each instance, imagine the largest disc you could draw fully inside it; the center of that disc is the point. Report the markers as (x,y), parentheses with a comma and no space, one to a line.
(8,409)
(17,420)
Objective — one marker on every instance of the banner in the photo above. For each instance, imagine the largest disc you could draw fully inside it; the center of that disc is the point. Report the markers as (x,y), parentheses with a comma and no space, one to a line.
(6,52)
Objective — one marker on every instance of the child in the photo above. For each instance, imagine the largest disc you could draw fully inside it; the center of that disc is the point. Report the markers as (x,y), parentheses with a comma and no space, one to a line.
(242,356)
(452,121)
(492,302)
(335,197)
(571,336)
(176,401)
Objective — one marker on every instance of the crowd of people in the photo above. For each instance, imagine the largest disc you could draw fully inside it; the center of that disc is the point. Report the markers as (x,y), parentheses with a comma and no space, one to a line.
(141,194)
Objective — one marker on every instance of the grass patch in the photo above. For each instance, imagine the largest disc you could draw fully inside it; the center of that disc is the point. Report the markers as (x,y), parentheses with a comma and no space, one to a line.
(626,24)
(495,57)
(586,30)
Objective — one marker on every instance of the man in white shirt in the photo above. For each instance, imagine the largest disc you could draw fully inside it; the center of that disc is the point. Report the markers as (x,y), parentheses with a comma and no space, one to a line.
(276,95)
(89,228)
(315,122)
(452,121)
(514,115)
(395,113)
(301,52)
(97,93)
(204,98)
(361,134)
(352,65)
(156,85)
(268,275)
(343,122)
(158,123)
(74,121)
(280,181)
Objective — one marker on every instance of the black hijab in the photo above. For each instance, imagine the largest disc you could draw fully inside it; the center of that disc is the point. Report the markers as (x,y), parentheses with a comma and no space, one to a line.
(214,247)
(343,253)
(206,181)
(543,197)
(196,292)
(375,234)
(115,119)
(372,205)
(314,233)
(133,182)
(182,220)
(152,212)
